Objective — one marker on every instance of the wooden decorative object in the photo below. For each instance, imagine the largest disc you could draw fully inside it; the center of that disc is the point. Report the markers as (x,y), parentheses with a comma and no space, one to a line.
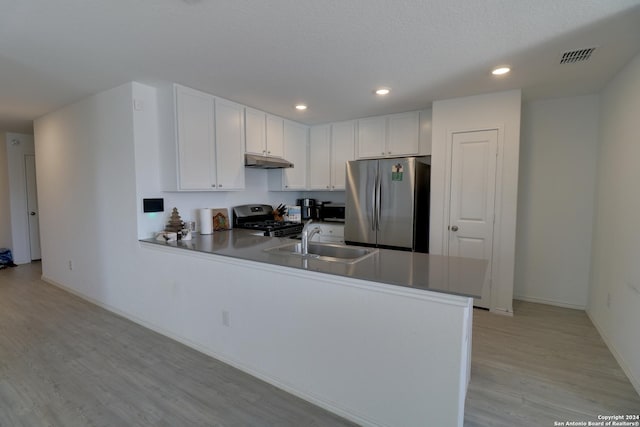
(175,223)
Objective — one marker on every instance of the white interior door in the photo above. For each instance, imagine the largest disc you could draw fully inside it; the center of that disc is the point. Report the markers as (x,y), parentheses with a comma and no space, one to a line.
(472,197)
(32,205)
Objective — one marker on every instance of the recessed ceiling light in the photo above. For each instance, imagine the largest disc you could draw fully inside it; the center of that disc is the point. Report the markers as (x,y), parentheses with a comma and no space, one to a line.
(301,107)
(383,91)
(500,71)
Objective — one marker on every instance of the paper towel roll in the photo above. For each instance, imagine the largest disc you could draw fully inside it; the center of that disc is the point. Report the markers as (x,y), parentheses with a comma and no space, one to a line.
(206,221)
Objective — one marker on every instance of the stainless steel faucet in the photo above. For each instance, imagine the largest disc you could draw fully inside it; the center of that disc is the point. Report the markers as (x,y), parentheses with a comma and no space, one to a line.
(307,235)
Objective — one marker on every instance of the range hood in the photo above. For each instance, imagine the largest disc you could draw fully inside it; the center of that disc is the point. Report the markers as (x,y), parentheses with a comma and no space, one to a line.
(264,162)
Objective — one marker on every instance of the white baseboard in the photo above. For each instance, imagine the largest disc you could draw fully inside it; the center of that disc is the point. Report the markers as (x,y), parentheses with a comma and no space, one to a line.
(550,302)
(635,382)
(323,403)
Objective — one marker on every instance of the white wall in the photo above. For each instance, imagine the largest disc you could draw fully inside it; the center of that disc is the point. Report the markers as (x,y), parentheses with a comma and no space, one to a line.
(556,200)
(18,145)
(5,213)
(492,111)
(86,191)
(614,298)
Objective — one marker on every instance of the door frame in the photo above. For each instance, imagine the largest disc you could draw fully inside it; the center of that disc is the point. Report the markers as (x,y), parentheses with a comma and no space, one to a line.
(495,248)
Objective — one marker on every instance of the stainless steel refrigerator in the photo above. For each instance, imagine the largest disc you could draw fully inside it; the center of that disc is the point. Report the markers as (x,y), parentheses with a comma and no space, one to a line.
(387,203)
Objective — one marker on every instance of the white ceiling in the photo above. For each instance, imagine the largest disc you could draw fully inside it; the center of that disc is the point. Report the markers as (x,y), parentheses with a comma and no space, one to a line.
(330,54)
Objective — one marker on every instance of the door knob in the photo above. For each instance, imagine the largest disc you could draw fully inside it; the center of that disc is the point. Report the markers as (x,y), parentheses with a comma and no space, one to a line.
(454,228)
(32,213)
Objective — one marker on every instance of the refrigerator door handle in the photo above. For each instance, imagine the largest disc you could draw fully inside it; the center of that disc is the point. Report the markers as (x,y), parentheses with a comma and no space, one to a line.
(378,200)
(373,203)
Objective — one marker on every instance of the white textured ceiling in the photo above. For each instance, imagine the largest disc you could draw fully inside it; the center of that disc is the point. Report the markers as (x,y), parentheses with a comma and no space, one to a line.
(330,54)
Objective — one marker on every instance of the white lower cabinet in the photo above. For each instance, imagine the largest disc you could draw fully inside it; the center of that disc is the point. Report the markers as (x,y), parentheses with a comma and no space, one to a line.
(330,233)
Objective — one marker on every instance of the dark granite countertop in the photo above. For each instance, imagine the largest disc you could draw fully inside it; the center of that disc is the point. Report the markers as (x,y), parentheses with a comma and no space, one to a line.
(450,275)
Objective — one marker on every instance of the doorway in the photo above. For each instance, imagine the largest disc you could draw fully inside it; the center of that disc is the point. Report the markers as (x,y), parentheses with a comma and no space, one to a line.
(472,194)
(23,198)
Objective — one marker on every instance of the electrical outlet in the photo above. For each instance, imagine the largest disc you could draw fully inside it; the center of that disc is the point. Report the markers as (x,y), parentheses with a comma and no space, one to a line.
(70,265)
(608,300)
(225,318)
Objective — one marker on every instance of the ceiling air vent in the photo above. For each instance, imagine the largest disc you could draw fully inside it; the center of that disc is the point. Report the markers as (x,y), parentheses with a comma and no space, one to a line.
(579,55)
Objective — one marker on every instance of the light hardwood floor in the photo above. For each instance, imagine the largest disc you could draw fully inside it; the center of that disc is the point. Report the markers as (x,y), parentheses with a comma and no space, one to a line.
(545,364)
(65,362)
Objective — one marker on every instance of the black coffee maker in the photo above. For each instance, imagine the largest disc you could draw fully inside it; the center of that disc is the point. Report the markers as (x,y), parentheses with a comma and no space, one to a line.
(307,209)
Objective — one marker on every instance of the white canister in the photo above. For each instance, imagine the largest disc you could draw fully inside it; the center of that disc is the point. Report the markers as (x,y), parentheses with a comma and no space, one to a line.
(206,221)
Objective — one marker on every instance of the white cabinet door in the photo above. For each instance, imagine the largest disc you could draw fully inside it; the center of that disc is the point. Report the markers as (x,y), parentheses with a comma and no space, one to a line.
(275,136)
(403,134)
(330,233)
(229,131)
(255,131)
(320,157)
(342,150)
(195,139)
(371,137)
(295,151)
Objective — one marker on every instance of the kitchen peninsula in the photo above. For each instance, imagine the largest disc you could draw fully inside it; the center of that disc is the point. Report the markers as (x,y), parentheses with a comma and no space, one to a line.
(383,341)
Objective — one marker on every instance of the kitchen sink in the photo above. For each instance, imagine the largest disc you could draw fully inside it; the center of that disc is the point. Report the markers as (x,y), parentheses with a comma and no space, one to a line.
(325,252)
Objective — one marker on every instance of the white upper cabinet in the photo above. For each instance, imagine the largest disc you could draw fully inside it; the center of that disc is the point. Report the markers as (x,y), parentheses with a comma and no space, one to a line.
(320,157)
(275,136)
(201,142)
(295,151)
(264,133)
(389,136)
(195,140)
(330,147)
(255,131)
(403,134)
(230,138)
(372,133)
(342,150)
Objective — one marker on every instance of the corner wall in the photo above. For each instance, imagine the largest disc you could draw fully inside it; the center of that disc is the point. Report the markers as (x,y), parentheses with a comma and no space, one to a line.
(614,297)
(556,200)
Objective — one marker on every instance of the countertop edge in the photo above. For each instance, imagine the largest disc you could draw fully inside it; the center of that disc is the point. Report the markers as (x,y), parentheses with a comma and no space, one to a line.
(417,293)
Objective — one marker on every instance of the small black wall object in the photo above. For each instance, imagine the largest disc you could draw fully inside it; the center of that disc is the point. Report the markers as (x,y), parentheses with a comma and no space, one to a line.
(153,205)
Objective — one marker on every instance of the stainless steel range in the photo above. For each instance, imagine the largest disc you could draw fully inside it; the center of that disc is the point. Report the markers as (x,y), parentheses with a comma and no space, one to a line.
(260,218)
